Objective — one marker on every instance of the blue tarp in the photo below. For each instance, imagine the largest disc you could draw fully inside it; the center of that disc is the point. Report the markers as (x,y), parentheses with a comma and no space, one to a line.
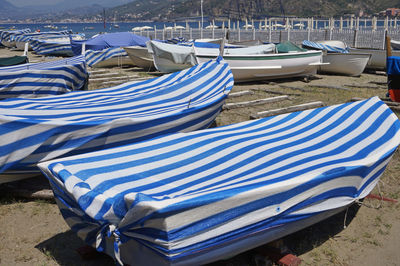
(393,65)
(108,40)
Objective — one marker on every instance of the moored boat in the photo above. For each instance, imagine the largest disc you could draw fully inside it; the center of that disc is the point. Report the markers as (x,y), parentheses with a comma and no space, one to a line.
(35,130)
(350,64)
(194,198)
(43,79)
(290,62)
(140,57)
(337,59)
(378,57)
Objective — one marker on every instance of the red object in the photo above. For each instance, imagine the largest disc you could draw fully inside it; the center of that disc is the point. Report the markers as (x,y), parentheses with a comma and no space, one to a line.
(394,95)
(289,260)
(373,196)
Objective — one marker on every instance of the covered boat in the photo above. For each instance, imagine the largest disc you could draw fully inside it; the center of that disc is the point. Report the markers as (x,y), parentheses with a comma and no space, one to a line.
(6,35)
(337,59)
(59,46)
(13,60)
(35,130)
(193,198)
(43,79)
(288,61)
(106,50)
(172,57)
(21,39)
(140,57)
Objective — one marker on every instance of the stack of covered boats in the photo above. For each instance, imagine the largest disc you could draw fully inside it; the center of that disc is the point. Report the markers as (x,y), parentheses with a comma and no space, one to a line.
(135,178)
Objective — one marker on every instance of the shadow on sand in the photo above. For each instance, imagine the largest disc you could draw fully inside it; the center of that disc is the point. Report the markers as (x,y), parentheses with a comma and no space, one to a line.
(63,247)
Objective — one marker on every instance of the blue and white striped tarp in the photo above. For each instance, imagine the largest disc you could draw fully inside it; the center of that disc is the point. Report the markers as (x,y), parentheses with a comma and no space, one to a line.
(52,46)
(26,37)
(59,46)
(7,34)
(43,79)
(191,198)
(325,47)
(34,130)
(94,57)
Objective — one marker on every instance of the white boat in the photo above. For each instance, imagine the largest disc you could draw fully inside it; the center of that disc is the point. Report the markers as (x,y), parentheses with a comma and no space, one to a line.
(337,59)
(378,57)
(170,57)
(395,44)
(350,64)
(140,57)
(250,67)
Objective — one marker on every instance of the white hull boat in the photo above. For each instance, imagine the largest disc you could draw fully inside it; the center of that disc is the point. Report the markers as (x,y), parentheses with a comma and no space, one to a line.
(350,64)
(115,61)
(378,57)
(270,66)
(395,45)
(140,57)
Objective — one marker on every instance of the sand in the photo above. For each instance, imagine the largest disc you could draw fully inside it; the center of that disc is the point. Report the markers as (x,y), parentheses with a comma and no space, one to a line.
(34,233)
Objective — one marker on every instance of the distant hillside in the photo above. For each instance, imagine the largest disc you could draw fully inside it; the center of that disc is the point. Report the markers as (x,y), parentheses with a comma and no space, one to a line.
(6,9)
(240,9)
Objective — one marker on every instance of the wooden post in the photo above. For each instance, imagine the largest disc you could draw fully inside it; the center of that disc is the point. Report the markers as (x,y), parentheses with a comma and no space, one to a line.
(355,38)
(341,23)
(388,48)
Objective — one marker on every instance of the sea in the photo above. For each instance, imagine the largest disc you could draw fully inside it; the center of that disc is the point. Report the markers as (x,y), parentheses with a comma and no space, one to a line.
(90,29)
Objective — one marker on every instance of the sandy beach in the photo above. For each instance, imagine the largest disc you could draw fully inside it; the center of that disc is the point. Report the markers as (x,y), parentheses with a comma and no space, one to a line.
(34,232)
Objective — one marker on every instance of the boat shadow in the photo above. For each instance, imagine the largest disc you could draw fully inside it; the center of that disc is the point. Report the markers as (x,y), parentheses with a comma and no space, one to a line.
(63,247)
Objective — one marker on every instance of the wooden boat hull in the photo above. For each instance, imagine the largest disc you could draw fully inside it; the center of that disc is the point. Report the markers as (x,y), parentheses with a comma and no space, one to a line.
(140,57)
(344,64)
(378,57)
(270,66)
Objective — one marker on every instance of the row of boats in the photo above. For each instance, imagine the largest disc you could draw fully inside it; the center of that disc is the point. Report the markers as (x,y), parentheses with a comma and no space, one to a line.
(254,62)
(134,176)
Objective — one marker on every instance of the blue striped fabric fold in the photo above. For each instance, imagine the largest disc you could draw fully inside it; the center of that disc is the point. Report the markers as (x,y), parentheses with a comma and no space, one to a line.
(26,37)
(94,57)
(60,46)
(185,196)
(43,79)
(5,35)
(325,47)
(34,130)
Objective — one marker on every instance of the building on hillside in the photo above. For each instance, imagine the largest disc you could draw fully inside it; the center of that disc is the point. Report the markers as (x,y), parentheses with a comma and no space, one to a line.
(390,12)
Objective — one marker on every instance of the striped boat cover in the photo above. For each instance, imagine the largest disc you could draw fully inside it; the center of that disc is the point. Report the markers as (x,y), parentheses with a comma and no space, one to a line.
(6,34)
(29,36)
(94,57)
(33,130)
(60,46)
(43,79)
(321,46)
(186,194)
